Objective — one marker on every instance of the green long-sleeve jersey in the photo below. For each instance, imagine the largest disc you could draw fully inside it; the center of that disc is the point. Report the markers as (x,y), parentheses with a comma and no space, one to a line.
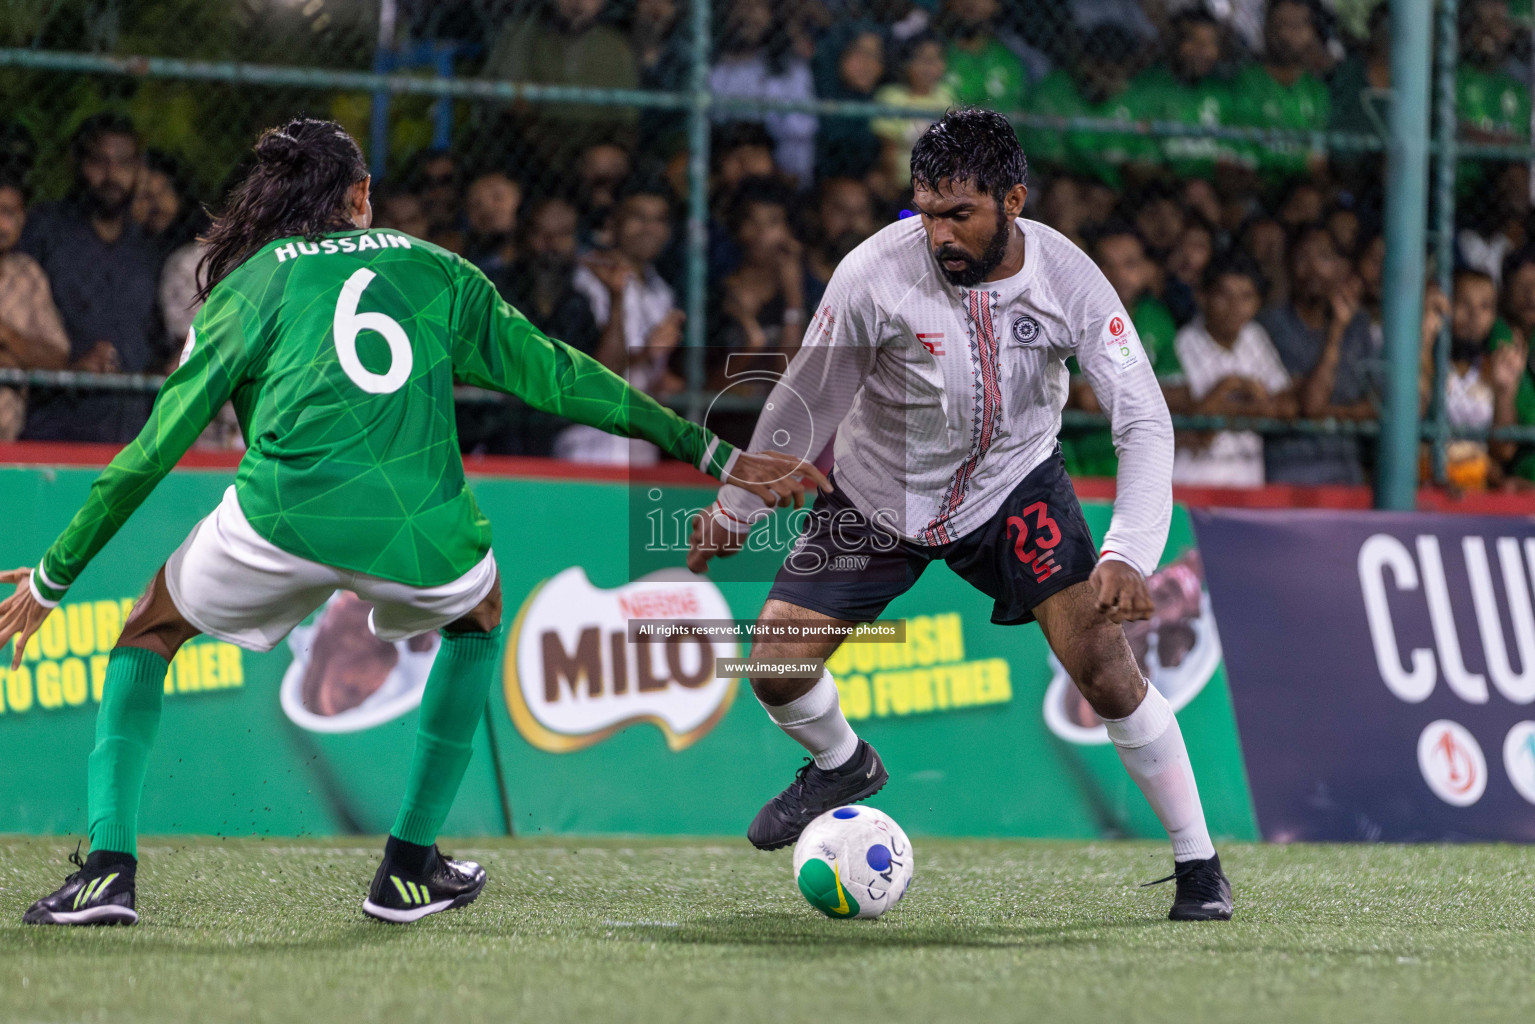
(340,355)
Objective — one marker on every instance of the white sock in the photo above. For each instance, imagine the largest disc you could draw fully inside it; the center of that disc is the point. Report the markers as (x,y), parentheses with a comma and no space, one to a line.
(817,723)
(1151,746)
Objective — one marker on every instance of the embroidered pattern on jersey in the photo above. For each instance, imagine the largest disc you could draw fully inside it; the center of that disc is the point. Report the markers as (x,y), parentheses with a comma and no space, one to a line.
(986,402)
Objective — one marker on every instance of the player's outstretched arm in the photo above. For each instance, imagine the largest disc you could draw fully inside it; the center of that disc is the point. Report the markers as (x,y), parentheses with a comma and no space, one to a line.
(1110,354)
(213,364)
(496,347)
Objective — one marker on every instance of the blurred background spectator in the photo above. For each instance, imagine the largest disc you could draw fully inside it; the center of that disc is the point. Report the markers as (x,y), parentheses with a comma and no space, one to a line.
(104,274)
(31,331)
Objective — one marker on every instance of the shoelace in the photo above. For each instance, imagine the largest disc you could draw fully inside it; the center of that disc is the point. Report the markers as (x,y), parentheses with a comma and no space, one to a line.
(77,861)
(1207,888)
(798,785)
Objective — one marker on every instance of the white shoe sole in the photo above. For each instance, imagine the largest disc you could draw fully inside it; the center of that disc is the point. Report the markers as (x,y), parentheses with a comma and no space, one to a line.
(107,914)
(404,916)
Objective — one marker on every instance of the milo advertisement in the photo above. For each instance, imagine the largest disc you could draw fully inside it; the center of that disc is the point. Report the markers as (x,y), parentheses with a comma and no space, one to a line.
(595,726)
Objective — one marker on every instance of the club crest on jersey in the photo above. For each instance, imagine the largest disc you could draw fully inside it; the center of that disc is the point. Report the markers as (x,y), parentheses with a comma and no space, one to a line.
(1025,329)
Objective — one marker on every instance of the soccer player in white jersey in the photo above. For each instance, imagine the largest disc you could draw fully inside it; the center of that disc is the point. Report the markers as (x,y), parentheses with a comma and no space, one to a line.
(938,359)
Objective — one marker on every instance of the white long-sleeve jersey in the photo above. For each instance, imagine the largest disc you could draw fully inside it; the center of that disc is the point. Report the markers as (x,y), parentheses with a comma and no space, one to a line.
(943,398)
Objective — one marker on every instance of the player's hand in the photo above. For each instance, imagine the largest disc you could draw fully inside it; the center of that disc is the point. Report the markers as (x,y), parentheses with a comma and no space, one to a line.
(711,540)
(20,614)
(1507,366)
(1121,591)
(780,480)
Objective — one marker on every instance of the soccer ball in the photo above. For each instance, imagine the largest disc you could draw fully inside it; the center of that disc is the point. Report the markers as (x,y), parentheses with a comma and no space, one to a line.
(853,862)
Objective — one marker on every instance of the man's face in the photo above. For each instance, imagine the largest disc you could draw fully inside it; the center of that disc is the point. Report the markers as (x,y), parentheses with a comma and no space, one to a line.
(745,162)
(1289,35)
(1102,80)
(1231,302)
(439,191)
(110,172)
(1520,296)
(155,202)
(655,12)
(863,63)
(1304,205)
(553,233)
(1199,50)
(643,227)
(1488,33)
(1160,221)
(1318,266)
(404,213)
(967,231)
(577,14)
(604,166)
(1474,310)
(847,210)
(1123,261)
(491,205)
(750,22)
(764,233)
(972,13)
(13,217)
(926,68)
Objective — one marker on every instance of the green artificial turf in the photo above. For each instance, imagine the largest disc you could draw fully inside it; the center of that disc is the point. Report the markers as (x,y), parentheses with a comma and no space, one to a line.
(699,930)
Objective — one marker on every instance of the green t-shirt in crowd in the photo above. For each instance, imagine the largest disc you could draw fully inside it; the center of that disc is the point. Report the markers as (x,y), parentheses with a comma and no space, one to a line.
(1262,101)
(1494,102)
(991,76)
(340,354)
(1091,452)
(1098,154)
(1159,95)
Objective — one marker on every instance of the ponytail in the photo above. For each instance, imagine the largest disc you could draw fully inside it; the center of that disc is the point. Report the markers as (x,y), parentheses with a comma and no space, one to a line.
(300,185)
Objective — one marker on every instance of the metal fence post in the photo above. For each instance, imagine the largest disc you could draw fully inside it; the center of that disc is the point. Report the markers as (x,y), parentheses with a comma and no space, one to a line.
(1444,231)
(698,208)
(1406,228)
(383,63)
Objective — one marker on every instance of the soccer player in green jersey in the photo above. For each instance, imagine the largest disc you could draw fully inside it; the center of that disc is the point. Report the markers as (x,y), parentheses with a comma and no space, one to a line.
(339,346)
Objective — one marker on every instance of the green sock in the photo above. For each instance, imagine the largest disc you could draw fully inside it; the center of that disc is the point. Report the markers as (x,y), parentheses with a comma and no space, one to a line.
(125,731)
(450,712)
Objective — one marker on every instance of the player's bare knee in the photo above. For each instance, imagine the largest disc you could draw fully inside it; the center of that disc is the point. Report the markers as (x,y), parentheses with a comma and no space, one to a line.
(1112,688)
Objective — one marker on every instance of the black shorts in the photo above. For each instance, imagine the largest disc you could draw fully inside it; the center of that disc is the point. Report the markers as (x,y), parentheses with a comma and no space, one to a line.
(1037,544)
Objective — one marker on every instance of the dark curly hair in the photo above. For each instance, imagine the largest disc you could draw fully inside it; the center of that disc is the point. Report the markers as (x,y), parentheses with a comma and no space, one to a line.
(971,145)
(298,186)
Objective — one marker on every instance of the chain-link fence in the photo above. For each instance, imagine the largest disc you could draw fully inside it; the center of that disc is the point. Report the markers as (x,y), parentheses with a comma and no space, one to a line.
(677,181)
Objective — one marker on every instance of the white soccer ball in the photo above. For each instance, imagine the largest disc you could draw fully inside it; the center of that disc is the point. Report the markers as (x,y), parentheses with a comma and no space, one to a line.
(853,862)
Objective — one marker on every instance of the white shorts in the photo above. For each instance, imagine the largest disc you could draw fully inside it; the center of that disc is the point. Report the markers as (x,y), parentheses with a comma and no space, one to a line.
(234,584)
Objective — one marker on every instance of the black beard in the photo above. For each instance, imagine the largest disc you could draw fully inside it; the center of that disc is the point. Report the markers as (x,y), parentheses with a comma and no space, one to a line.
(106,207)
(978,267)
(1465,351)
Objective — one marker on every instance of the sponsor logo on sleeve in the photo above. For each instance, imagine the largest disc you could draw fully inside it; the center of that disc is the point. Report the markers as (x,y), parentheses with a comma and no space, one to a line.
(1123,345)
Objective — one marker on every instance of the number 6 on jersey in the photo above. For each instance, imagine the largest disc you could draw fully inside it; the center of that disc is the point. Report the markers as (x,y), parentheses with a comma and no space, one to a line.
(349,323)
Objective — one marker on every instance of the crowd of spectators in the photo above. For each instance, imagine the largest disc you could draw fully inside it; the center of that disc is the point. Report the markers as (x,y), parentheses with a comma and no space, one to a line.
(1251,269)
